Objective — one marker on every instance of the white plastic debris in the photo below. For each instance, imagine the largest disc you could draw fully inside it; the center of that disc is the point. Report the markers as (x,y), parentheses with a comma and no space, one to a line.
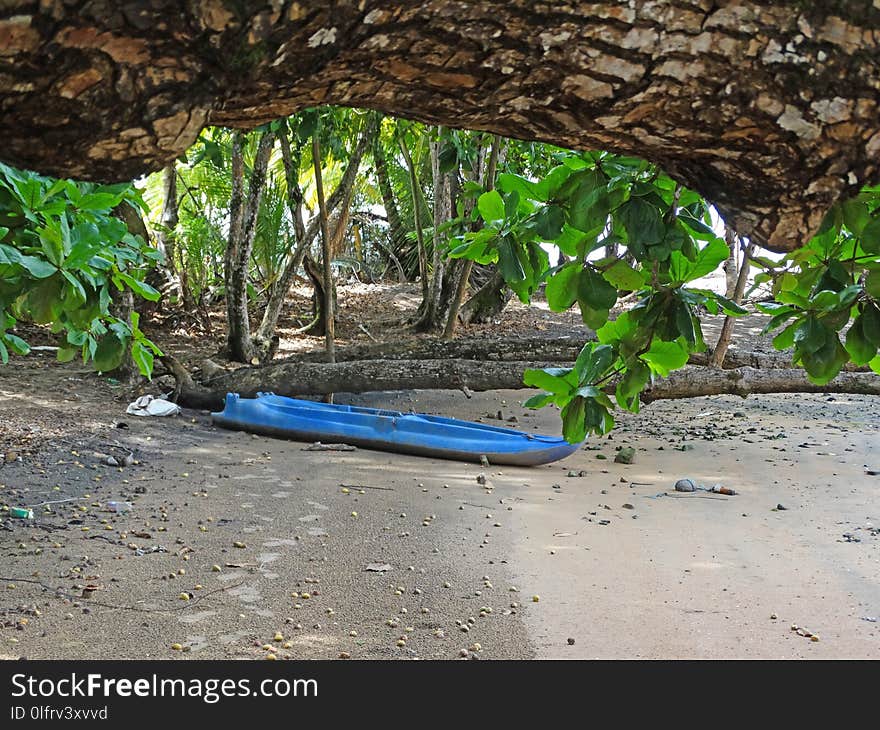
(147,405)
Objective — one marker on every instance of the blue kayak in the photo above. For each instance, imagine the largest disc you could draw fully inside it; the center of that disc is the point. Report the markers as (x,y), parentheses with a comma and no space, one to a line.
(373,428)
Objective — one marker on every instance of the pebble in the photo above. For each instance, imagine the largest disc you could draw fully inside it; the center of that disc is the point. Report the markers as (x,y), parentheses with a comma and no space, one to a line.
(535,599)
(570,641)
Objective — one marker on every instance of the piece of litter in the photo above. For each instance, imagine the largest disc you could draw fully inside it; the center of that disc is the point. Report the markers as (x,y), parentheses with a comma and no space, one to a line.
(318,446)
(378,567)
(148,405)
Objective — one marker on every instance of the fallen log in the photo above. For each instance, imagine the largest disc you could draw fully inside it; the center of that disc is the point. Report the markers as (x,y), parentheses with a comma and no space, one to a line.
(360,376)
(693,382)
(298,379)
(562,348)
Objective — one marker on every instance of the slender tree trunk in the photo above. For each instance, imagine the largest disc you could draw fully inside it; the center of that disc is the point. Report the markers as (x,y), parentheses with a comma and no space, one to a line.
(731,265)
(396,229)
(242,229)
(717,359)
(415,189)
(327,256)
(305,235)
(465,276)
(432,312)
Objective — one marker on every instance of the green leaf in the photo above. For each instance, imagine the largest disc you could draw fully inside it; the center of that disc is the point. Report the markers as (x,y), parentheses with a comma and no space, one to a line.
(509,263)
(17,344)
(824,364)
(870,238)
(595,291)
(664,357)
(872,284)
(811,336)
(66,354)
(143,358)
(631,384)
(141,288)
(592,362)
(642,221)
(860,349)
(624,276)
(785,339)
(855,216)
(549,222)
(109,353)
(871,323)
(551,379)
(37,267)
(562,288)
(593,318)
(709,258)
(538,401)
(574,428)
(491,206)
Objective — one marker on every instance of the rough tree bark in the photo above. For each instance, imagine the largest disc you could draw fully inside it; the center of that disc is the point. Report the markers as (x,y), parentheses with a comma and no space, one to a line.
(488,301)
(243,212)
(769,109)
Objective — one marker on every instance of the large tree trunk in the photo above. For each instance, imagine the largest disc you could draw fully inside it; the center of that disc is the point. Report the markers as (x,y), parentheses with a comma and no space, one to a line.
(242,229)
(767,109)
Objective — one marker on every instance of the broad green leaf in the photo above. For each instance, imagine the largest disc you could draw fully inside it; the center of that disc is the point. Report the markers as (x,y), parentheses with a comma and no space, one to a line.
(549,222)
(624,276)
(66,354)
(574,427)
(141,288)
(595,291)
(871,323)
(860,349)
(552,380)
(538,401)
(509,263)
(108,353)
(491,206)
(664,357)
(562,288)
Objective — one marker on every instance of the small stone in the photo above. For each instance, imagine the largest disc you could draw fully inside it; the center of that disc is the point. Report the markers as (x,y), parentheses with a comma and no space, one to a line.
(177,647)
(570,641)
(535,599)
(239,545)
(685,485)
(344,655)
(626,455)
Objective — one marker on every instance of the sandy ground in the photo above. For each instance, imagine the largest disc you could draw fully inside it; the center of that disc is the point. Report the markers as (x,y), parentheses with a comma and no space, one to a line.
(228,531)
(623,566)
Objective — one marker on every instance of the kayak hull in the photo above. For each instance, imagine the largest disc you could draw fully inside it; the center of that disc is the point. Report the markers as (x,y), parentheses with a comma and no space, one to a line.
(384,430)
